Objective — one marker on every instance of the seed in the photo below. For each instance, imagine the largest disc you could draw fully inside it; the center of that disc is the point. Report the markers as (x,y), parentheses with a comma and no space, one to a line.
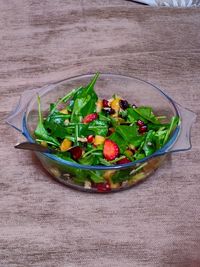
(76,152)
(109,111)
(123,104)
(103,187)
(105,103)
(143,129)
(140,123)
(90,138)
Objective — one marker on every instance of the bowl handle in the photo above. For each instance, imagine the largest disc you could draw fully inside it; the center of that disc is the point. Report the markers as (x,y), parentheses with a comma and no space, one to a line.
(15,118)
(183,142)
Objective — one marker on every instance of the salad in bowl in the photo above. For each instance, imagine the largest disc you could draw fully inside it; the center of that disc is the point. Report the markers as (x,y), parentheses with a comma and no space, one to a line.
(103,140)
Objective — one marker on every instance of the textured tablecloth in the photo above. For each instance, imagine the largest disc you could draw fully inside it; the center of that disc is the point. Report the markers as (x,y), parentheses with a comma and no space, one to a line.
(43,223)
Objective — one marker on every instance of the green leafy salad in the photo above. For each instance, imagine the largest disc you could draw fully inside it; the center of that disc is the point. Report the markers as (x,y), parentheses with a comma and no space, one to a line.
(88,130)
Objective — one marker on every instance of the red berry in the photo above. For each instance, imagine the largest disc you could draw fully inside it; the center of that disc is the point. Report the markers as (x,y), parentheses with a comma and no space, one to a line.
(140,123)
(123,161)
(90,117)
(105,103)
(90,138)
(103,187)
(76,152)
(143,129)
(110,150)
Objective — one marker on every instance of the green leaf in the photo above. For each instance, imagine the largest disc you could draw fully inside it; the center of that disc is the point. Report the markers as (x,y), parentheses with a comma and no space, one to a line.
(149,146)
(174,122)
(116,137)
(40,131)
(98,127)
(89,160)
(96,177)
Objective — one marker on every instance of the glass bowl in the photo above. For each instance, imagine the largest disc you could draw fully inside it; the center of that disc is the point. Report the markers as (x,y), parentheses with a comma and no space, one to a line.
(25,117)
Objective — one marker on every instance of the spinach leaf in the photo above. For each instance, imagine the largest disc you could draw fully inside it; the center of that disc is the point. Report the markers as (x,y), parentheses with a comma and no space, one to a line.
(116,137)
(96,176)
(174,122)
(84,101)
(98,127)
(130,134)
(40,130)
(89,160)
(149,146)
(121,175)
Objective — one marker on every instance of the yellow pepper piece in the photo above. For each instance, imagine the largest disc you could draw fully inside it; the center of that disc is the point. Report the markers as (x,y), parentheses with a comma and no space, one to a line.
(64,111)
(115,104)
(65,145)
(98,140)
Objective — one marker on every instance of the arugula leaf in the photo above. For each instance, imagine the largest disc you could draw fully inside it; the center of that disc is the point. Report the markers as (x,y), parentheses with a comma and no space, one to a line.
(40,130)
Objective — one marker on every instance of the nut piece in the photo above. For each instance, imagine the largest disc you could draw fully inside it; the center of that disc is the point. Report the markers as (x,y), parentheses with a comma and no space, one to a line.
(55,172)
(87,185)
(99,105)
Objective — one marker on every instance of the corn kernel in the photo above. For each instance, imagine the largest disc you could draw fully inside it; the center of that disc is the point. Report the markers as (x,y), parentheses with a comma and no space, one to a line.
(65,145)
(98,140)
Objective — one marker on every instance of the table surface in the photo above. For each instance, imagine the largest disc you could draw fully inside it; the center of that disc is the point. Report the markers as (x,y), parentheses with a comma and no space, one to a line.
(43,223)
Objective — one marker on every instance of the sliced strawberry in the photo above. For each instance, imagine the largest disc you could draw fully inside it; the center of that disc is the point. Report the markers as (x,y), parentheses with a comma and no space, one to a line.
(90,117)
(110,150)
(123,161)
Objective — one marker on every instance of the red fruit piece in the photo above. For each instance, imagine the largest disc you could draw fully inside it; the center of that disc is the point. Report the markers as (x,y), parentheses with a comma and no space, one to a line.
(143,129)
(76,152)
(90,117)
(123,161)
(110,150)
(90,138)
(103,187)
(105,103)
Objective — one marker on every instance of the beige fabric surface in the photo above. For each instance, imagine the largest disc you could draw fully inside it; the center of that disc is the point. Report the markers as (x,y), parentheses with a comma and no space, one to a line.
(43,223)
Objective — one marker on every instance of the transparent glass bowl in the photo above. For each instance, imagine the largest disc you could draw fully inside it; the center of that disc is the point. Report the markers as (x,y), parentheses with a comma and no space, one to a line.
(25,116)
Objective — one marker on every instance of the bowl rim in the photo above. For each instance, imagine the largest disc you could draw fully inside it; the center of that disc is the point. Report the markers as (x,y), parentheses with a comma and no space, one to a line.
(159,152)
